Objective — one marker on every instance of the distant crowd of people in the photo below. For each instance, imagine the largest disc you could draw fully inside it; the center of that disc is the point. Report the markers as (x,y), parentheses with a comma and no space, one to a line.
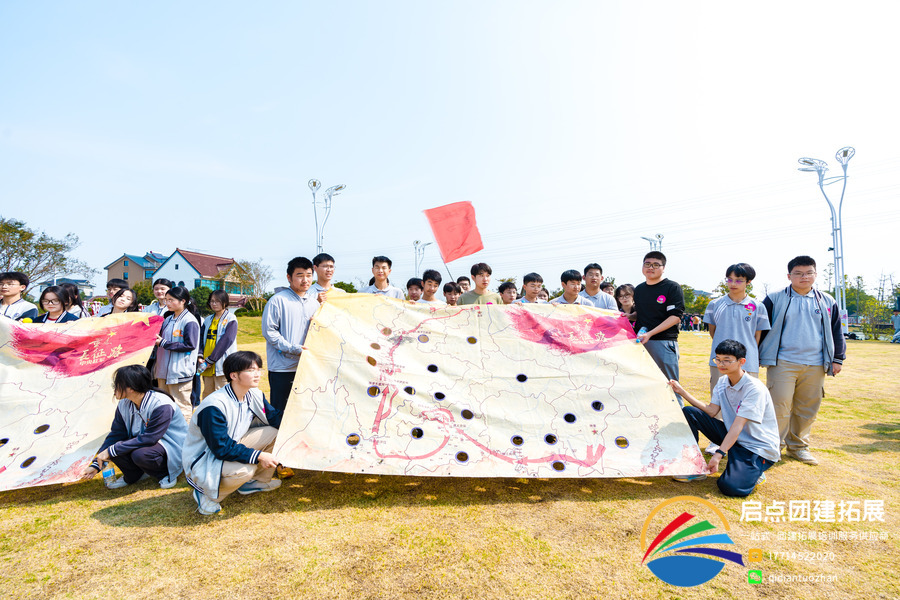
(223,437)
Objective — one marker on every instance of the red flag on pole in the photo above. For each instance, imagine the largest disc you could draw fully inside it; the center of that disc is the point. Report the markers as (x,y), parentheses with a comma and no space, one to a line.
(454,229)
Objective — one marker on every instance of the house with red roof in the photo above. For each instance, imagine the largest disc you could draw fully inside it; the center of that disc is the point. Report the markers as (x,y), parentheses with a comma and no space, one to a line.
(193,270)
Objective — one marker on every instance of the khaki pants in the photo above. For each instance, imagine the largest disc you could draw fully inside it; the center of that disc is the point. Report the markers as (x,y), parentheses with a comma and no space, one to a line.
(212,383)
(797,392)
(235,474)
(714,377)
(181,393)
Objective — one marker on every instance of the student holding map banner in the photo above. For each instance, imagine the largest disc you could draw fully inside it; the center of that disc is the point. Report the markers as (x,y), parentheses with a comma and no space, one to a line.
(231,436)
(146,434)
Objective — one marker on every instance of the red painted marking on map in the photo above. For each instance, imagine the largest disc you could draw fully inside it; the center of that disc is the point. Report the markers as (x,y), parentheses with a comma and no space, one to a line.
(73,352)
(572,335)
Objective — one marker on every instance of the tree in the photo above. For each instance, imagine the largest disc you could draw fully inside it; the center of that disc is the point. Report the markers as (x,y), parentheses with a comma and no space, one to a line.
(347,287)
(200,295)
(689,294)
(37,254)
(144,291)
(251,274)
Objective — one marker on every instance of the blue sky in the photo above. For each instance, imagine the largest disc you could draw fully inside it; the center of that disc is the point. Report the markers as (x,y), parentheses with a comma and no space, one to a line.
(573,127)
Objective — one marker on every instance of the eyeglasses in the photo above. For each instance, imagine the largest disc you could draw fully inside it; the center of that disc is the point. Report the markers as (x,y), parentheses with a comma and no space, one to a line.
(724,362)
(803,274)
(650,265)
(623,296)
(736,281)
(50,302)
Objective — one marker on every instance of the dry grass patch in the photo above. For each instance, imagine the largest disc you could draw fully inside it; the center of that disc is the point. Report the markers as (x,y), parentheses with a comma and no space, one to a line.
(329,535)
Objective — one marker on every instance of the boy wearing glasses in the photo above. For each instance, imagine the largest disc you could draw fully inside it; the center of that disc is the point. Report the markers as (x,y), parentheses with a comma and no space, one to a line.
(12,305)
(659,304)
(736,316)
(748,431)
(804,344)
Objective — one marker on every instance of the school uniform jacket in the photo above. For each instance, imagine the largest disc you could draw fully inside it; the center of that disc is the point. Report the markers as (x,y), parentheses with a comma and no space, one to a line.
(178,350)
(152,423)
(226,339)
(215,432)
(65,318)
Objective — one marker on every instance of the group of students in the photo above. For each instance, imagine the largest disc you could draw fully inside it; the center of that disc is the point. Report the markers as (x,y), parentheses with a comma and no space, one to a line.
(227,439)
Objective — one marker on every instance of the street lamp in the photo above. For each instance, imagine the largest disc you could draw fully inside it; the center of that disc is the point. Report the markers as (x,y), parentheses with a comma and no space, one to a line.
(843,156)
(314,186)
(655,242)
(419,249)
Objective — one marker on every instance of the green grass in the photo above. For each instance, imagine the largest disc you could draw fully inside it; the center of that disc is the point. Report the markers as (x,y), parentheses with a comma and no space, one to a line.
(335,535)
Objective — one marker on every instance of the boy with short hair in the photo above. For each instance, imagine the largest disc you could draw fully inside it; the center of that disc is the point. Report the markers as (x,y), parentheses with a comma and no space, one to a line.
(593,277)
(112,288)
(285,323)
(571,281)
(806,342)
(481,273)
(431,282)
(231,435)
(414,289)
(381,270)
(736,316)
(12,285)
(323,265)
(748,431)
(507,292)
(531,287)
(659,304)
(608,288)
(452,292)
(464,283)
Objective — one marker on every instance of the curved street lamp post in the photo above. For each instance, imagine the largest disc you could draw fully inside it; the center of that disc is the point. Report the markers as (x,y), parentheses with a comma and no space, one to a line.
(843,156)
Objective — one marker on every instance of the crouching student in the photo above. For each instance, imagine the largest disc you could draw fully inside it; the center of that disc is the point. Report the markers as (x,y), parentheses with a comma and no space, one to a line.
(748,431)
(231,436)
(146,434)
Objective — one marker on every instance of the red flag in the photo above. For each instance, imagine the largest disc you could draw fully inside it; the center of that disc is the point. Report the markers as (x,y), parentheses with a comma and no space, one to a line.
(455,230)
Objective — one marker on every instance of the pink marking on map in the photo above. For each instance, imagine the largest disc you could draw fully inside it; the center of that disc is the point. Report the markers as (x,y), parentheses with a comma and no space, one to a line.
(572,335)
(73,352)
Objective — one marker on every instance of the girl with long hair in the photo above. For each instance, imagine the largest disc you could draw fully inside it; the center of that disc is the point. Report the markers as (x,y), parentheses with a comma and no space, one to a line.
(176,355)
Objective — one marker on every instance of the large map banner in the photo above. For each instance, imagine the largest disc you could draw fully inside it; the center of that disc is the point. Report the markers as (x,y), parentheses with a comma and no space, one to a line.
(56,397)
(391,387)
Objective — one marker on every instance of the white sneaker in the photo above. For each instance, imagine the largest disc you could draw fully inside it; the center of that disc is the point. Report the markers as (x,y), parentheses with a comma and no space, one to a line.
(689,478)
(205,506)
(253,486)
(168,483)
(118,483)
(803,455)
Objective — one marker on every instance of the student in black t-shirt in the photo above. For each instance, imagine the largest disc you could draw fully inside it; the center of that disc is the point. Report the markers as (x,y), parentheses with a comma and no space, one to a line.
(659,303)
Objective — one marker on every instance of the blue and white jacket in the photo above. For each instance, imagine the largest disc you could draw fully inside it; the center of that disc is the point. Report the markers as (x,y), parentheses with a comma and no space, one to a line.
(143,427)
(176,357)
(215,432)
(226,339)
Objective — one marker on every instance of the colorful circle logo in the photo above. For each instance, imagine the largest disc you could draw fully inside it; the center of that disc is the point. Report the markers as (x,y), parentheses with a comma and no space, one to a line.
(677,555)
(660,299)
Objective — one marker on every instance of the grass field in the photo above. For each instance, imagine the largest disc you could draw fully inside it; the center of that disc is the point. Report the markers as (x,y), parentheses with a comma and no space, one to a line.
(327,535)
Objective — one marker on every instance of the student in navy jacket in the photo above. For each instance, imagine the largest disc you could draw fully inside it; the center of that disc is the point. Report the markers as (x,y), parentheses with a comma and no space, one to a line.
(146,434)
(53,300)
(231,436)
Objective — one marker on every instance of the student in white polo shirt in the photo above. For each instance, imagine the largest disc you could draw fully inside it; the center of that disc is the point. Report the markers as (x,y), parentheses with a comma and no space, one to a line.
(593,277)
(736,316)
(748,431)
(381,270)
(532,285)
(571,281)
(431,283)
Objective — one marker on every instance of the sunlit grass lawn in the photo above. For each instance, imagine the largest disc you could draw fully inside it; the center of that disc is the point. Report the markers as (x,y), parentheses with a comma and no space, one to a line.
(327,535)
